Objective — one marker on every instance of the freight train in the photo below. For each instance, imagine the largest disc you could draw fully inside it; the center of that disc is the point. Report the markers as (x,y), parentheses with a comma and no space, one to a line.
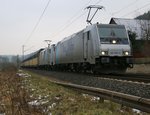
(97,48)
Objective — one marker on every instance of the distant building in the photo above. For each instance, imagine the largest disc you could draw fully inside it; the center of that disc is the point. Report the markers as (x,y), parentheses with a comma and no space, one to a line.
(140,27)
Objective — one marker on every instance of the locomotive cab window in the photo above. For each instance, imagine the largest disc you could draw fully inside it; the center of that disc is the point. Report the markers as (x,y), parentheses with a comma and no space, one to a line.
(113,35)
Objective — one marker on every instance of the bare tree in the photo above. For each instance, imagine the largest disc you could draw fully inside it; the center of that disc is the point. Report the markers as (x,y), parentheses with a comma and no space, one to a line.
(15,60)
(145,29)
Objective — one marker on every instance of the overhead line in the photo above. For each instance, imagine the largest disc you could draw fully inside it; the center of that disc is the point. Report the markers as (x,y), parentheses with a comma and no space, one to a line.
(98,2)
(137,9)
(124,8)
(73,20)
(37,23)
(63,29)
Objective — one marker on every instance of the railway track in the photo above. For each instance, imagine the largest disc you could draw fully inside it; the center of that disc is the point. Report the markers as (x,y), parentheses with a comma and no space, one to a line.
(142,104)
(128,77)
(129,93)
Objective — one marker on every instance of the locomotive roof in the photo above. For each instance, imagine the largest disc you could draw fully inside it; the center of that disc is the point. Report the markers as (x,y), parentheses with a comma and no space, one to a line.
(89,27)
(66,38)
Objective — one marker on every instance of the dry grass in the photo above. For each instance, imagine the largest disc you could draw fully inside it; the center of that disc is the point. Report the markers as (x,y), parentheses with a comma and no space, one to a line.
(13,95)
(62,101)
(35,95)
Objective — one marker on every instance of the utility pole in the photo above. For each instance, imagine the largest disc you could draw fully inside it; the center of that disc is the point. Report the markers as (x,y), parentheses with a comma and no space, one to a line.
(17,61)
(23,52)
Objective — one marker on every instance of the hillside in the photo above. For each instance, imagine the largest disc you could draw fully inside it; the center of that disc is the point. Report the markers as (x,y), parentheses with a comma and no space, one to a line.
(145,16)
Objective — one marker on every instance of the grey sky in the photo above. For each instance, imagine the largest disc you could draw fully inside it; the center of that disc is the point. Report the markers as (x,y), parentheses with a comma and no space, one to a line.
(62,18)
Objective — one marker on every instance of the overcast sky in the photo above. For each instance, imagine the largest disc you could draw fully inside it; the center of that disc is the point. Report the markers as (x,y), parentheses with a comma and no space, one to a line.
(61,18)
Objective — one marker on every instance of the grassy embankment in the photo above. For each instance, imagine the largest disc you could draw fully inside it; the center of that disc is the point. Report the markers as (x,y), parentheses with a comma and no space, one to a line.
(35,95)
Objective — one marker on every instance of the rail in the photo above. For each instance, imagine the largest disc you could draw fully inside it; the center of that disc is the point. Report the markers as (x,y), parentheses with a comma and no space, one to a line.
(140,103)
(129,77)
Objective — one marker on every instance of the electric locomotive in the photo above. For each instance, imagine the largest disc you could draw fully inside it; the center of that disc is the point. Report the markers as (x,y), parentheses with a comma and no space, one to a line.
(98,48)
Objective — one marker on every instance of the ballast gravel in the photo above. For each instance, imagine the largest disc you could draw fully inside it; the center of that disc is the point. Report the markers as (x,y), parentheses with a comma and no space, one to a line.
(133,88)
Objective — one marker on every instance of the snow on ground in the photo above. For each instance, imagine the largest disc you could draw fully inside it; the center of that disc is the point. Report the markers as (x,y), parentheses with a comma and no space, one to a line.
(2,114)
(137,111)
(23,75)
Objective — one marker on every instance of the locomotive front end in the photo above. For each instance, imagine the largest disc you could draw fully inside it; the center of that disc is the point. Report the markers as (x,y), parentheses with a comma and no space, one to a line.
(115,48)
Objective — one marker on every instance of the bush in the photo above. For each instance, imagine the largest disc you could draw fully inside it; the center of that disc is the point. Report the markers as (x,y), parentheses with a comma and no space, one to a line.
(5,66)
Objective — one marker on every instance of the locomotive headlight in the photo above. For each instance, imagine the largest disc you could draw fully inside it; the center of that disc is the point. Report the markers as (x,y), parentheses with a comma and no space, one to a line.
(114,41)
(104,53)
(126,53)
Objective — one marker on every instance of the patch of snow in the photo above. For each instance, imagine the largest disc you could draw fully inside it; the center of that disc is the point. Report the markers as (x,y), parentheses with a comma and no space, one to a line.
(136,111)
(32,89)
(95,98)
(40,97)
(49,113)
(121,111)
(23,75)
(38,102)
(43,102)
(2,114)
(35,102)
(46,96)
(71,99)
(54,104)
(20,71)
(85,95)
(57,98)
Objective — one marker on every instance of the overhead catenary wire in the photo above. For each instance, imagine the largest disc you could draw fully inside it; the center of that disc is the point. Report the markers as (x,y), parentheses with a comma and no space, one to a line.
(70,21)
(67,25)
(28,48)
(136,10)
(124,8)
(133,11)
(37,23)
(98,2)
(73,19)
(120,10)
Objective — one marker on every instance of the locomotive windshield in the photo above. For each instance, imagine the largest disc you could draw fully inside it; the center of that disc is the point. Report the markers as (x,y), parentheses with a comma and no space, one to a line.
(113,35)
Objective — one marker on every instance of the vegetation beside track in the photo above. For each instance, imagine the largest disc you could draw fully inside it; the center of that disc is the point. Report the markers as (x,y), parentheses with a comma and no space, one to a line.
(62,101)
(32,94)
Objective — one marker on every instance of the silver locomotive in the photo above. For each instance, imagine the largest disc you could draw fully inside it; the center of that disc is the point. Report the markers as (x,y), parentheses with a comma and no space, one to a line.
(97,48)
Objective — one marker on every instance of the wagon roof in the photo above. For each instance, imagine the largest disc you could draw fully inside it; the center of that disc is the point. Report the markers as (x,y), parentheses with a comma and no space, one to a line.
(32,55)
